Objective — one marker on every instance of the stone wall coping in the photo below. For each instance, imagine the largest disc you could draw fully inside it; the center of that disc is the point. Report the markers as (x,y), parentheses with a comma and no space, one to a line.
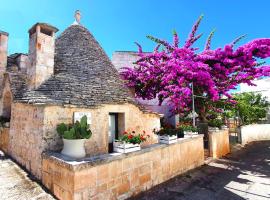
(254,125)
(80,164)
(4,33)
(217,131)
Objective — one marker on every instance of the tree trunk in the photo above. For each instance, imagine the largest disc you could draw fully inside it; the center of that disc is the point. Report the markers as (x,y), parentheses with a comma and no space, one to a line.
(202,115)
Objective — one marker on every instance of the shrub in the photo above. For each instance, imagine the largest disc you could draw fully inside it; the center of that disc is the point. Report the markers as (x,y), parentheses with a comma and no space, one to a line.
(188,128)
(79,130)
(168,131)
(215,123)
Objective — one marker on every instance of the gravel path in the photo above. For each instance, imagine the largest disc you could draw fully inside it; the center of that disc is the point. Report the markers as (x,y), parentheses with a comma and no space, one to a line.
(15,184)
(244,174)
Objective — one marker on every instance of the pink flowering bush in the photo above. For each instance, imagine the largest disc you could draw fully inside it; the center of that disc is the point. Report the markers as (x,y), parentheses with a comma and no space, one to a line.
(167,74)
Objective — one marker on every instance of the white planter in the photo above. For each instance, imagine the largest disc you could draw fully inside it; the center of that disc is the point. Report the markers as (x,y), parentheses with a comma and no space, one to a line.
(223,127)
(121,147)
(189,134)
(213,129)
(167,139)
(74,148)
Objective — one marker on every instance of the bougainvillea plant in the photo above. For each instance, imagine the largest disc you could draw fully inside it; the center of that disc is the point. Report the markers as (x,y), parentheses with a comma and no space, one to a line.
(168,74)
(133,137)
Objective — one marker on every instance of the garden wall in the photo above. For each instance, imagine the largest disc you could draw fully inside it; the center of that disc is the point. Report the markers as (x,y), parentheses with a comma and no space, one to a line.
(33,129)
(254,132)
(120,176)
(4,139)
(219,144)
(25,139)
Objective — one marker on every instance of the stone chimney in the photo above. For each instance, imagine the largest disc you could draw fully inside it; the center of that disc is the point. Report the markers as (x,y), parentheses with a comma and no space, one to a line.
(3,54)
(41,54)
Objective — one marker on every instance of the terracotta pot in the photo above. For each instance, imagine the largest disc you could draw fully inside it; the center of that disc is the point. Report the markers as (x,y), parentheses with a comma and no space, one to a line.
(74,148)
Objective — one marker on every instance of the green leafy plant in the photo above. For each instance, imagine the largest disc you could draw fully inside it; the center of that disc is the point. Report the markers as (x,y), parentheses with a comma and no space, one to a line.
(215,123)
(79,130)
(168,131)
(250,107)
(188,128)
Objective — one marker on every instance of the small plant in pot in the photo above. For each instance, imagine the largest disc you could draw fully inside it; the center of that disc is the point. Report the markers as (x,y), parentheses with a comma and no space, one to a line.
(189,130)
(129,142)
(74,137)
(215,124)
(167,135)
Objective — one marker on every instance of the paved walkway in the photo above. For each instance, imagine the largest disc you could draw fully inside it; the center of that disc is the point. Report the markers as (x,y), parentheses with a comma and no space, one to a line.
(15,184)
(242,175)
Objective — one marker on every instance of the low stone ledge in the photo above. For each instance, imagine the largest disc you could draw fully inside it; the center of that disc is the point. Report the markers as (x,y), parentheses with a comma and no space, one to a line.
(119,176)
(254,132)
(219,144)
(79,164)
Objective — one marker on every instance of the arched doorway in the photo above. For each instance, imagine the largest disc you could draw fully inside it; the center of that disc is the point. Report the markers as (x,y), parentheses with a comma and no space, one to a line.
(7,99)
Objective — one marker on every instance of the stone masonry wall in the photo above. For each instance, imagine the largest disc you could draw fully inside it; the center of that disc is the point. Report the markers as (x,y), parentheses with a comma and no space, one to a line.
(41,57)
(121,176)
(219,144)
(134,119)
(124,59)
(26,129)
(4,139)
(33,130)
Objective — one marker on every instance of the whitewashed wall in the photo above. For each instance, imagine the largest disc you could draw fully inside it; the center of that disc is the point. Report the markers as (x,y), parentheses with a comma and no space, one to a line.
(254,132)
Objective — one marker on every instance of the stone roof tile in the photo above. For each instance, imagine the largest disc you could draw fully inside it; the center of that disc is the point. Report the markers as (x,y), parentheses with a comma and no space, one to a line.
(84,75)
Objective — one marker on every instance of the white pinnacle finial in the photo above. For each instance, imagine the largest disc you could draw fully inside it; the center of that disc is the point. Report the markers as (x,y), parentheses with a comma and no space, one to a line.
(77,17)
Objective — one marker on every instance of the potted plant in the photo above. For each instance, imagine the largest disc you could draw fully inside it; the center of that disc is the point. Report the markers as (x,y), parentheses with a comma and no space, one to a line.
(74,137)
(189,130)
(167,135)
(215,124)
(129,142)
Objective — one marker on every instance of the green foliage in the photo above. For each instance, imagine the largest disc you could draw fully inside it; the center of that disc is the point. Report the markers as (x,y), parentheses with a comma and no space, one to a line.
(215,123)
(188,128)
(169,131)
(251,107)
(79,130)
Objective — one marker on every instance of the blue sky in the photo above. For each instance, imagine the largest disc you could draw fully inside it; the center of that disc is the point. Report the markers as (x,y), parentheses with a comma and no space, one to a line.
(116,24)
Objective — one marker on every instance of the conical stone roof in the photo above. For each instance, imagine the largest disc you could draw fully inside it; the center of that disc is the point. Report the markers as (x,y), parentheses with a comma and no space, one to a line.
(84,75)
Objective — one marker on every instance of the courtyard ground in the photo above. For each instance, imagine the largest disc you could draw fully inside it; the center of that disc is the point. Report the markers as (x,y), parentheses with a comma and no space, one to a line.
(15,183)
(244,174)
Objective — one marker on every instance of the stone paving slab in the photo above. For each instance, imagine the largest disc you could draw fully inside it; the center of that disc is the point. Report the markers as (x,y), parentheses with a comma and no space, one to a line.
(244,174)
(15,183)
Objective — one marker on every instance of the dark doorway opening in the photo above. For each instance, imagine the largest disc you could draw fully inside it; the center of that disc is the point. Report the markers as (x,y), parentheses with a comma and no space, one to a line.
(113,130)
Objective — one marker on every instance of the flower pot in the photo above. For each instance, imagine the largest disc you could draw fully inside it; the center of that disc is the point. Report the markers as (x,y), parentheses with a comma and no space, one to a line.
(74,148)
(167,139)
(224,127)
(213,129)
(121,147)
(189,134)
